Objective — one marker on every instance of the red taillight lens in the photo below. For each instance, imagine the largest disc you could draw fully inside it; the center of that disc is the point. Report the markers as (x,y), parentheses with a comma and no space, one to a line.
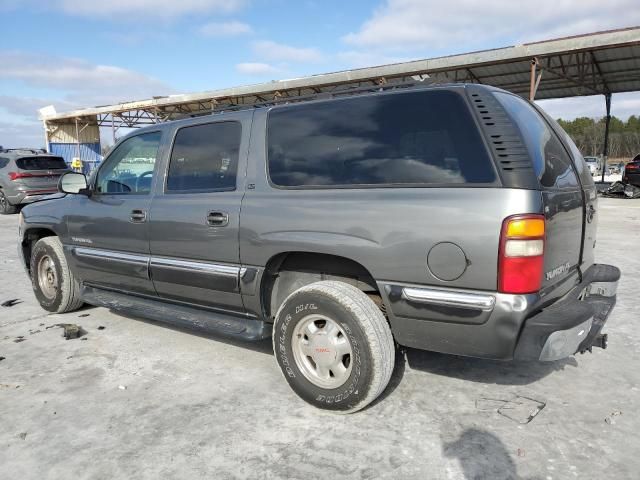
(18,176)
(521,256)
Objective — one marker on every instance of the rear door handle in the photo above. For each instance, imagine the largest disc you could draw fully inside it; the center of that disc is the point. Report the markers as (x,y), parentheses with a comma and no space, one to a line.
(138,216)
(218,219)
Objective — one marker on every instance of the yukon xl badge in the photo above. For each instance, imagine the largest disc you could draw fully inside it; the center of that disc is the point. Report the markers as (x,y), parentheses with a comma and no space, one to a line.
(550,275)
(81,240)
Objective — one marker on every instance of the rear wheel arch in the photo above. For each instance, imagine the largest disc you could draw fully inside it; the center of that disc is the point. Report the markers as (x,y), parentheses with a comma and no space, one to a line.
(288,271)
(6,208)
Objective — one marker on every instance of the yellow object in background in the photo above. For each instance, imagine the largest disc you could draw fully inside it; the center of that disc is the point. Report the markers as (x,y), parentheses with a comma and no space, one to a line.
(76,163)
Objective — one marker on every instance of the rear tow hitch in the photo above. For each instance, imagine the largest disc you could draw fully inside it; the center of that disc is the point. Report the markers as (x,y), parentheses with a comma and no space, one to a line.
(600,341)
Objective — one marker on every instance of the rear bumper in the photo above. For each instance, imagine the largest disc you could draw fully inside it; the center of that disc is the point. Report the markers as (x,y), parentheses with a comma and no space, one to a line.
(30,196)
(632,178)
(502,326)
(573,324)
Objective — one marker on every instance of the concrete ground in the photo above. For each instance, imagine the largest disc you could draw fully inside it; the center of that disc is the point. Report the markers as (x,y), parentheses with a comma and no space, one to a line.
(140,400)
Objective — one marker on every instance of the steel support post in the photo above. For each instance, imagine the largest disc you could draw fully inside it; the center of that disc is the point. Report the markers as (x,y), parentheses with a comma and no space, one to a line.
(605,150)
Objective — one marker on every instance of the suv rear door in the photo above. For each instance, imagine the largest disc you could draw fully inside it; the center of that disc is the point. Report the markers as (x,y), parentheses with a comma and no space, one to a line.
(561,193)
(195,217)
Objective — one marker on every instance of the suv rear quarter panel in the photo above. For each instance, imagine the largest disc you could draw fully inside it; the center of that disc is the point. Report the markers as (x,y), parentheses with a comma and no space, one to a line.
(389,231)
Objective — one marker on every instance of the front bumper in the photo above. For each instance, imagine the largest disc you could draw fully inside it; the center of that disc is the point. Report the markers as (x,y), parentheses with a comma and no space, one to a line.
(574,323)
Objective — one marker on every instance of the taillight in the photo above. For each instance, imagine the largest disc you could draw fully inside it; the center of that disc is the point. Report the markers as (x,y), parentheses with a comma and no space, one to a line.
(521,256)
(18,176)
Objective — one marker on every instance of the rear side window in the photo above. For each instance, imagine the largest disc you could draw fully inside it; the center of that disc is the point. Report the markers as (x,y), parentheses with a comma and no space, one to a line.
(550,160)
(4,162)
(400,139)
(41,163)
(578,160)
(205,158)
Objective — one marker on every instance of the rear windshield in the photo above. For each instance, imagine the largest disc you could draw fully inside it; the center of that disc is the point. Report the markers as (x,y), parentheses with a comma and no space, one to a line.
(41,163)
(399,139)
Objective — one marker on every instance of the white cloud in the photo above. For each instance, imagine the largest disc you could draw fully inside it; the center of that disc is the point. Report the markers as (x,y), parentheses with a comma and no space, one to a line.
(277,51)
(28,106)
(623,105)
(20,134)
(256,68)
(80,81)
(150,8)
(225,29)
(459,25)
(73,84)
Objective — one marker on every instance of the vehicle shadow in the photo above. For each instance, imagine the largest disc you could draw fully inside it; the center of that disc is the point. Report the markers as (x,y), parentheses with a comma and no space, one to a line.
(481,454)
(261,346)
(464,368)
(482,370)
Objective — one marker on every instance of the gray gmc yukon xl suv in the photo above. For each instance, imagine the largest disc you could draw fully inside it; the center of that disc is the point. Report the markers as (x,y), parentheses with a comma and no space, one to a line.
(459,219)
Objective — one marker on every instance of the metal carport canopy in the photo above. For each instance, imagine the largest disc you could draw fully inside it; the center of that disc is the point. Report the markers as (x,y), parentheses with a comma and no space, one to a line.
(597,63)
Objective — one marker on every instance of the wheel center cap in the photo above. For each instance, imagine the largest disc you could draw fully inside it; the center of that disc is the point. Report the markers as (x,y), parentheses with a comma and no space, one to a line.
(323,352)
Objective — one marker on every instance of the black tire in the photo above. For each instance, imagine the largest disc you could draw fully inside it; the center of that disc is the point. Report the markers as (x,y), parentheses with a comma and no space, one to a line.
(362,323)
(5,207)
(65,296)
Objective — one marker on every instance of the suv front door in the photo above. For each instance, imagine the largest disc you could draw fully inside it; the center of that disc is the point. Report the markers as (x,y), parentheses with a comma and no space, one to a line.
(108,231)
(195,221)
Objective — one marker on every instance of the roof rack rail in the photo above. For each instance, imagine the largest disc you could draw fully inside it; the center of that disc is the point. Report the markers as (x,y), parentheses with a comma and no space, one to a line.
(339,92)
(21,149)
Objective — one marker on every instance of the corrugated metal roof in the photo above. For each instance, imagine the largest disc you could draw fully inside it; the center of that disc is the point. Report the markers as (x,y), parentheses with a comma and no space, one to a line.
(597,63)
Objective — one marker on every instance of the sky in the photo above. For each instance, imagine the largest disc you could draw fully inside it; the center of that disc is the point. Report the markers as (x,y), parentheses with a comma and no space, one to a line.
(80,53)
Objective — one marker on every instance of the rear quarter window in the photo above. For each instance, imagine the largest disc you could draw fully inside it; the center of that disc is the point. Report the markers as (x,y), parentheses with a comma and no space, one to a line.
(578,160)
(41,163)
(552,164)
(4,162)
(412,138)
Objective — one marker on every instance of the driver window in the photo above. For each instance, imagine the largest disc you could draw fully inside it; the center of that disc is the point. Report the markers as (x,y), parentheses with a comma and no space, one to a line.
(129,169)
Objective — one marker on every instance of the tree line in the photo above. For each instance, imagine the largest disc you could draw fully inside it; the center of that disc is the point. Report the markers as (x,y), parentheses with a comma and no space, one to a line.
(588,135)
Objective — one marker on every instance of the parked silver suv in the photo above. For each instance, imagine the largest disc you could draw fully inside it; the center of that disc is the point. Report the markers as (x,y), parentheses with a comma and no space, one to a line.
(27,175)
(458,218)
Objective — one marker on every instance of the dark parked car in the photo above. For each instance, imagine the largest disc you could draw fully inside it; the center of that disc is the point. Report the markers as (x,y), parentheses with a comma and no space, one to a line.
(27,175)
(632,172)
(459,219)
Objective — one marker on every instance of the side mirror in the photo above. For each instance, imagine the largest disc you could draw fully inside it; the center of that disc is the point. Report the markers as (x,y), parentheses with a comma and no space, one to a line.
(73,182)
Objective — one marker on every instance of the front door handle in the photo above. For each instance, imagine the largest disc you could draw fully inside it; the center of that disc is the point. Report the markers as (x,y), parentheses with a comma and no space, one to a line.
(138,216)
(218,219)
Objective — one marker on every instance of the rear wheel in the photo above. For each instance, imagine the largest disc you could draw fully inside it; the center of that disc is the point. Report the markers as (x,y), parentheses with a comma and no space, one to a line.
(5,207)
(53,282)
(334,346)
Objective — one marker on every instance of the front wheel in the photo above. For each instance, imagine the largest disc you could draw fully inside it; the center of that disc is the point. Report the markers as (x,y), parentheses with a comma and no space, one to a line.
(53,282)
(334,346)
